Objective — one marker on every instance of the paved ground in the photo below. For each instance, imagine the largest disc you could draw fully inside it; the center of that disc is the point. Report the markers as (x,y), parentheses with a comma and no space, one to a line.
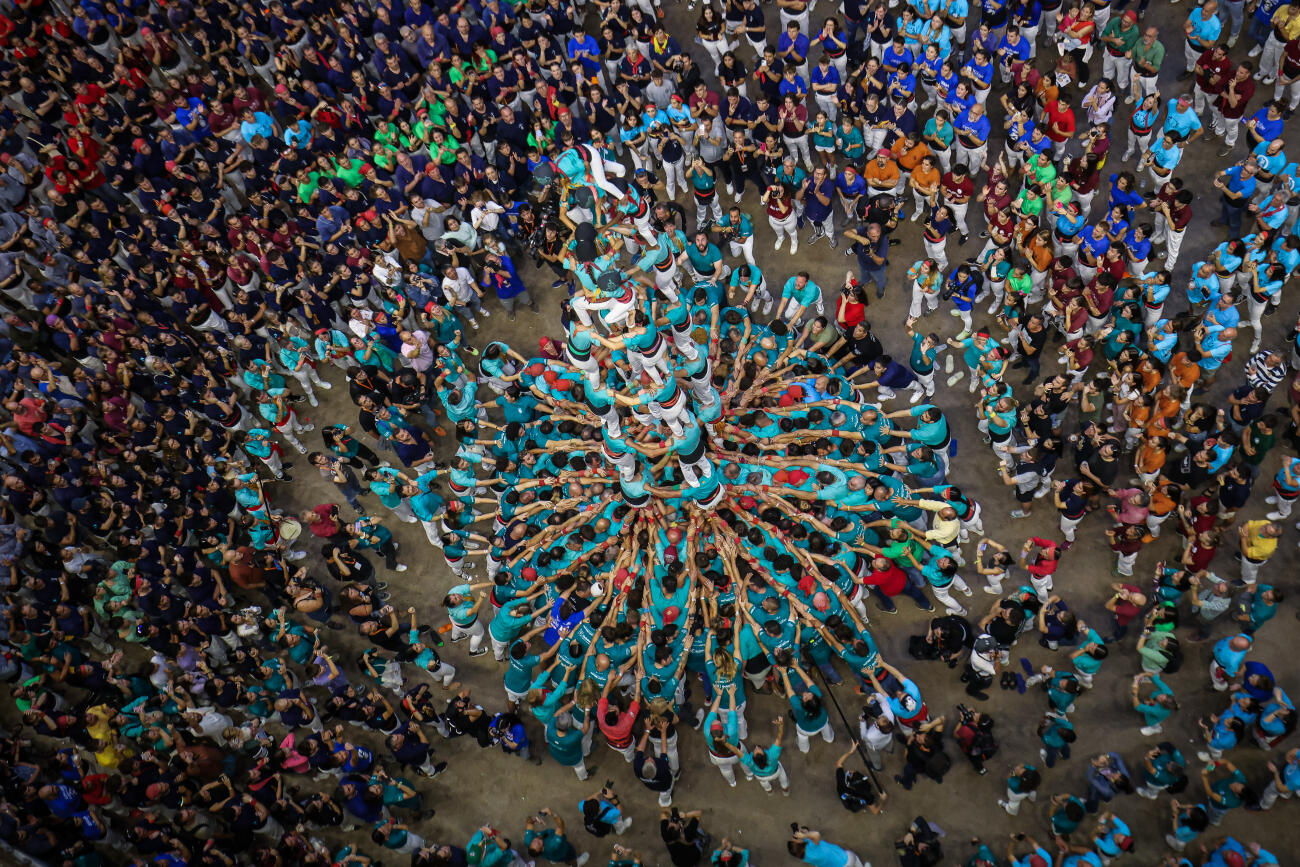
(488,786)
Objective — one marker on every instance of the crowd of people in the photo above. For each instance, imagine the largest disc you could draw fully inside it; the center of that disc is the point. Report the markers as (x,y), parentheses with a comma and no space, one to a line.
(710,487)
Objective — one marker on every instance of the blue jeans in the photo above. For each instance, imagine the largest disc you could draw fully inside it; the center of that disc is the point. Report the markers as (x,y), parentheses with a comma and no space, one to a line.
(1231,216)
(869,271)
(1258,31)
(1053,752)
(1232,10)
(909,589)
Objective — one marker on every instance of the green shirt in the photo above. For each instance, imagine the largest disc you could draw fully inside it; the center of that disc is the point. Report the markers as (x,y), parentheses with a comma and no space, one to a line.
(1128,38)
(1152,56)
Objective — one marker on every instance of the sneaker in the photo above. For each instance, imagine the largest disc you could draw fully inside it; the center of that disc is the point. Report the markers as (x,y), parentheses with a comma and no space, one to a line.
(1042,754)
(991,591)
(474,324)
(311,399)
(767,307)
(1272,501)
(401,567)
(1232,40)
(487,314)
(584,858)
(295,555)
(815,236)
(324,385)
(794,246)
(834,243)
(1204,757)
(479,652)
(962,239)
(780,242)
(1128,100)
(1226,151)
(1019,513)
(1256,51)
(307,428)
(285,477)
(302,449)
(731,191)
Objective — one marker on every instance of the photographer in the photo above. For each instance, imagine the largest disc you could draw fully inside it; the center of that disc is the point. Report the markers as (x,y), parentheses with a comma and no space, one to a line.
(683,836)
(974,734)
(856,790)
(919,847)
(601,814)
(809,847)
(550,844)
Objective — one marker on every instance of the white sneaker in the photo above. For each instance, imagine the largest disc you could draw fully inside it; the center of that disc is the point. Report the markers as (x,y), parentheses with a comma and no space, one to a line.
(584,858)
(312,401)
(767,308)
(794,246)
(780,242)
(991,591)
(474,322)
(307,428)
(487,314)
(1256,51)
(730,190)
(401,567)
(323,384)
(295,555)
(302,449)
(1272,501)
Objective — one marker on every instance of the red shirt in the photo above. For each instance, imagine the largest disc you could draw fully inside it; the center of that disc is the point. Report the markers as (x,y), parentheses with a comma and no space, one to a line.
(953,190)
(891,581)
(1244,90)
(1058,118)
(618,735)
(1212,75)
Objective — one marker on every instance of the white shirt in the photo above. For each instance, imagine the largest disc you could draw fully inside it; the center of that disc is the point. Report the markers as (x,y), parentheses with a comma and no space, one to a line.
(460,287)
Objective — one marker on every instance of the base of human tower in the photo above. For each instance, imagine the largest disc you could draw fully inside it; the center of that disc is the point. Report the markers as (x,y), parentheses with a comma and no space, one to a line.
(701,499)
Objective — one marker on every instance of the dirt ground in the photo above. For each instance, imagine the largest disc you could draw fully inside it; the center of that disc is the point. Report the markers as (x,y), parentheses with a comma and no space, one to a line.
(487,786)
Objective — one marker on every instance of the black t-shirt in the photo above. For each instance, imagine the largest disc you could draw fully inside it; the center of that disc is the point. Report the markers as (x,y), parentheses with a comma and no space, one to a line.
(680,840)
(855,790)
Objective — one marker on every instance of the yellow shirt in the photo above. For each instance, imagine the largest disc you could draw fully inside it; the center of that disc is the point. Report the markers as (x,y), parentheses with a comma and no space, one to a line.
(1255,545)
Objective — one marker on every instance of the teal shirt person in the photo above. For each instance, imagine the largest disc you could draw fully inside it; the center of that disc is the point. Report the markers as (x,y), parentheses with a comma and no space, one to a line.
(511,620)
(809,295)
(1063,824)
(930,433)
(744,226)
(703,261)
(484,851)
(810,717)
(921,360)
(1051,735)
(1153,714)
(555,846)
(565,745)
(519,673)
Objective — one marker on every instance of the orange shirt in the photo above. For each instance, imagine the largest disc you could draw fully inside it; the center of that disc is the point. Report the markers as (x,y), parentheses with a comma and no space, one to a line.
(929,179)
(878,176)
(1184,371)
(1040,254)
(1148,460)
(910,159)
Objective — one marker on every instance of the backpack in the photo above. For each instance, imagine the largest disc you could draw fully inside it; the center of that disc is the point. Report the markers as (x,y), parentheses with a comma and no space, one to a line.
(597,826)
(1175,654)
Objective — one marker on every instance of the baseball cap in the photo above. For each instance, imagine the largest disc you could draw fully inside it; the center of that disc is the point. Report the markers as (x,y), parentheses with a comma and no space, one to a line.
(1130,15)
(884,152)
